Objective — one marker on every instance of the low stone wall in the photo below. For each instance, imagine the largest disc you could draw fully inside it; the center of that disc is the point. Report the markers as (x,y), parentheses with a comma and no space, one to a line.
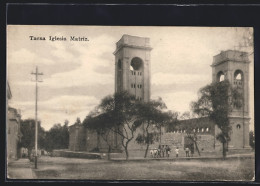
(72,154)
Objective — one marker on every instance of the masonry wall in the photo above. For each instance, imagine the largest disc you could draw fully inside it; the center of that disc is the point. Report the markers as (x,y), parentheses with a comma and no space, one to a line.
(13,133)
(77,137)
(91,140)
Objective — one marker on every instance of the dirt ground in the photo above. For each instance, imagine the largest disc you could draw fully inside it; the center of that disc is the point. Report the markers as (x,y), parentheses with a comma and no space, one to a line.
(189,170)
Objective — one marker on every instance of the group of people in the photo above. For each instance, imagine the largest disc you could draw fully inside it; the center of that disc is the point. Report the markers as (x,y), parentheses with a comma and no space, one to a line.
(165,150)
(162,151)
(189,151)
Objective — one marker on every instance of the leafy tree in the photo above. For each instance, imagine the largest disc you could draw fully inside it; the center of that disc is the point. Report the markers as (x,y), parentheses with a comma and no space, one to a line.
(252,139)
(57,137)
(120,110)
(216,101)
(27,128)
(151,114)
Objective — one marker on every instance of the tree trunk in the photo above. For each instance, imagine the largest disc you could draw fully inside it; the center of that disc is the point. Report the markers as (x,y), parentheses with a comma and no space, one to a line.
(108,153)
(160,134)
(197,147)
(148,140)
(98,141)
(146,150)
(126,153)
(224,150)
(126,150)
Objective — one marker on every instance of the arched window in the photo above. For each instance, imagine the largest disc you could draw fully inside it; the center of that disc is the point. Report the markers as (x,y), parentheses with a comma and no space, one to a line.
(136,63)
(202,130)
(207,129)
(238,126)
(220,76)
(238,75)
(119,64)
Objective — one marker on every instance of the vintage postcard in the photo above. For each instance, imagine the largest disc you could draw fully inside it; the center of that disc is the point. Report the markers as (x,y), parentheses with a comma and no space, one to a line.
(130,103)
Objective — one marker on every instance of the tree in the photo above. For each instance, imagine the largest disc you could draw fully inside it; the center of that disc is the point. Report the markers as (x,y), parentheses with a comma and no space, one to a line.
(57,137)
(28,135)
(120,110)
(216,101)
(151,114)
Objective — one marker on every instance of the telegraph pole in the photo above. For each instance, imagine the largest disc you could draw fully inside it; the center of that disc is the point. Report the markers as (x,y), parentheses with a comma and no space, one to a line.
(36,73)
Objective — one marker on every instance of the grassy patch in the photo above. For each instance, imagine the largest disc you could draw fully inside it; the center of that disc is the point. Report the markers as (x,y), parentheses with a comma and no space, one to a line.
(67,168)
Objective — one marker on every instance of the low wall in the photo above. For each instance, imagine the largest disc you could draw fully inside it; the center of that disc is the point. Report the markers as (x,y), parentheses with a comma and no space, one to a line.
(71,154)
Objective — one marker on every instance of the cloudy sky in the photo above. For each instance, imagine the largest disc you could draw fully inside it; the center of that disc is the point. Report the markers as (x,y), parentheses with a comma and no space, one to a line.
(77,75)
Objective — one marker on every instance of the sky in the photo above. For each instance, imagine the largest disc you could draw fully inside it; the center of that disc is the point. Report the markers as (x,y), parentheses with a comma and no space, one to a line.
(78,74)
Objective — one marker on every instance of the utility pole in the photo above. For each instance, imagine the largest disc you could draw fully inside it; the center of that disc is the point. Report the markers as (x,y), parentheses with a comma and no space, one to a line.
(36,73)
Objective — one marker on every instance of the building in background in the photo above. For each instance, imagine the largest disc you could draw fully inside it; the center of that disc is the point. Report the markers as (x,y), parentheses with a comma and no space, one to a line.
(13,134)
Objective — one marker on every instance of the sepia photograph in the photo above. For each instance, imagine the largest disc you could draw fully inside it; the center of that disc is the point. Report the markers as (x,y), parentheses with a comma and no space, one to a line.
(167,103)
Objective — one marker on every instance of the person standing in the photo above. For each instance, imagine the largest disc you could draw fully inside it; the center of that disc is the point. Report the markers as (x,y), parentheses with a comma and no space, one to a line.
(160,151)
(191,150)
(168,151)
(187,151)
(177,152)
(163,150)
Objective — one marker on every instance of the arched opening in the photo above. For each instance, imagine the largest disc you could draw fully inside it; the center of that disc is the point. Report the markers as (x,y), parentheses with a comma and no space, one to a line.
(119,64)
(238,78)
(136,64)
(238,126)
(238,75)
(220,76)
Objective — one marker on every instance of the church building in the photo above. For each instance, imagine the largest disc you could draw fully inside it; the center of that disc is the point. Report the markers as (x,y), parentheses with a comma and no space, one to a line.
(133,74)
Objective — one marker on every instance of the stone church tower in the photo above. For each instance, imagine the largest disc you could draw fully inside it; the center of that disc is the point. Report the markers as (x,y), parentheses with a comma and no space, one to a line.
(132,66)
(234,66)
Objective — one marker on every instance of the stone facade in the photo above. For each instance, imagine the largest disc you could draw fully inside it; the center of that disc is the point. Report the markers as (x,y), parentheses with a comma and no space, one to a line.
(132,66)
(12,129)
(82,139)
(234,66)
(77,137)
(204,129)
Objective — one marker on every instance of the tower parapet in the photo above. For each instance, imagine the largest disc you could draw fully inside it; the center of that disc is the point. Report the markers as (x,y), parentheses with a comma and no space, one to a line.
(230,55)
(133,42)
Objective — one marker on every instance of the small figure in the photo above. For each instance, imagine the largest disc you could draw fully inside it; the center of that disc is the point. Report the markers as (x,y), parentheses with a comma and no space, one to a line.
(163,150)
(168,151)
(177,152)
(160,151)
(187,150)
(192,150)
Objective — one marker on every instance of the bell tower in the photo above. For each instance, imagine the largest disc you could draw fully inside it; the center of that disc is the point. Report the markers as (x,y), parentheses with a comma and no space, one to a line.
(233,65)
(132,66)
